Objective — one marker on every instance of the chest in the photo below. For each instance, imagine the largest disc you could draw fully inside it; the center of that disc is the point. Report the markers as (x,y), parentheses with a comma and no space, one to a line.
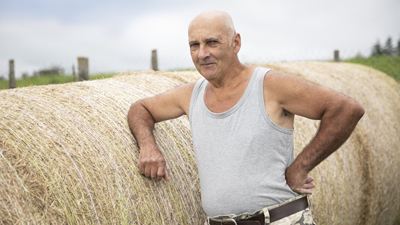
(223,101)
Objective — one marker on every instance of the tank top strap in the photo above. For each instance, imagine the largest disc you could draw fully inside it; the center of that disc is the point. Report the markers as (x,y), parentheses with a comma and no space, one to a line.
(197,90)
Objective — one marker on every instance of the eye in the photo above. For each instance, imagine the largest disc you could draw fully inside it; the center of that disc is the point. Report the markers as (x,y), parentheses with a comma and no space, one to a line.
(193,46)
(212,43)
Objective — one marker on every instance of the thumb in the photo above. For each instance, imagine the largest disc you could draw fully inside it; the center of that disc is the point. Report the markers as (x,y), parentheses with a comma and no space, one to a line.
(167,177)
(309,179)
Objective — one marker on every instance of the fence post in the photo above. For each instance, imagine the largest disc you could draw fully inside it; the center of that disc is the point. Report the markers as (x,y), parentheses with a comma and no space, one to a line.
(11,74)
(154,60)
(83,68)
(336,56)
(74,78)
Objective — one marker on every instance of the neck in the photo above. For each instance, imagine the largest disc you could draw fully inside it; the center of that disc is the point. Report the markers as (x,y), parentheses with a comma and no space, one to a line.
(231,77)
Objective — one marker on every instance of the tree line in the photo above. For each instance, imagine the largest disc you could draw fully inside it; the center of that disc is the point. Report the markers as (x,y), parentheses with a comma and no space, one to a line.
(388,49)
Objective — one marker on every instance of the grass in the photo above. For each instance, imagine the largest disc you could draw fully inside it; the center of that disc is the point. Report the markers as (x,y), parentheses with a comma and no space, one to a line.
(387,64)
(50,79)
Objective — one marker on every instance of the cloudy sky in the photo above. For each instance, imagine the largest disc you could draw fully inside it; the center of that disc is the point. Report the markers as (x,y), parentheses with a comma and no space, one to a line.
(119,35)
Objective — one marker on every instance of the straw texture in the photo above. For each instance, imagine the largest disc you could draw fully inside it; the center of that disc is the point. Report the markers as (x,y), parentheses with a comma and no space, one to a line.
(67,156)
(358,184)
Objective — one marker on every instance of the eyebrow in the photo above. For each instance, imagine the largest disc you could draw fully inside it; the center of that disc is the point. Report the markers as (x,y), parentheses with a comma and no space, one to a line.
(211,39)
(193,42)
(206,40)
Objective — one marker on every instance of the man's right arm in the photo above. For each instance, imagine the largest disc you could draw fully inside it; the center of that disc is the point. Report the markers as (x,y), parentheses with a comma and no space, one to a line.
(142,116)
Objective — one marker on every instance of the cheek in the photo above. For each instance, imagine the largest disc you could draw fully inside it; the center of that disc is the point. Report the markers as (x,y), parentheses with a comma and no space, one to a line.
(194,56)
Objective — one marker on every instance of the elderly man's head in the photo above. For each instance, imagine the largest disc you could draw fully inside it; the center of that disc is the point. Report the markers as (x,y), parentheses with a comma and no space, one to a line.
(214,43)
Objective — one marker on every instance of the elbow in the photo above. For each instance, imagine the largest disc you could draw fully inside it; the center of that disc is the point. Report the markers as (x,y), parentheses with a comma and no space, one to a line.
(360,111)
(134,107)
(356,110)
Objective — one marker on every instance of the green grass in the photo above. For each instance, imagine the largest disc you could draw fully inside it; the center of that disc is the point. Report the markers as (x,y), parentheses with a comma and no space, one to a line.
(387,64)
(49,79)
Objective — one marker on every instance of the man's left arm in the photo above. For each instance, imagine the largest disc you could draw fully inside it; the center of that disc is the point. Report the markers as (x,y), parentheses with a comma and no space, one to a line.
(339,114)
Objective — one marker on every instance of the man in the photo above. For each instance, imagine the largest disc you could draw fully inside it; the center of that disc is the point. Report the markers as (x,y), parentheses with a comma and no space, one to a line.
(242,124)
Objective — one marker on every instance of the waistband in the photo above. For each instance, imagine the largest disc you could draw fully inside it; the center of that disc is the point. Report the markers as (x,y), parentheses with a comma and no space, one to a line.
(265,215)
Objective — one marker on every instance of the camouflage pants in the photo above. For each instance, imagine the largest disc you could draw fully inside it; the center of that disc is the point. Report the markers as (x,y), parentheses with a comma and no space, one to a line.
(303,217)
(300,218)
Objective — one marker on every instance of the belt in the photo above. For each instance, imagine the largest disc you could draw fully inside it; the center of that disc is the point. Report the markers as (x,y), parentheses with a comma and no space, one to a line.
(275,214)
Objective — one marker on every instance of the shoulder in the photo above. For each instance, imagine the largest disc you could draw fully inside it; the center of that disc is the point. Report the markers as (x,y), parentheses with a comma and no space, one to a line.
(279,83)
(301,96)
(171,103)
(182,94)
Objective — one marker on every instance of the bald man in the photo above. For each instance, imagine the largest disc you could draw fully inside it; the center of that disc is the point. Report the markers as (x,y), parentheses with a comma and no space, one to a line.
(242,127)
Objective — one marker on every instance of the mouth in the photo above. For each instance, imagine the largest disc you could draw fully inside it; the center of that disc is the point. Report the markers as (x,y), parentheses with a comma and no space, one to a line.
(207,64)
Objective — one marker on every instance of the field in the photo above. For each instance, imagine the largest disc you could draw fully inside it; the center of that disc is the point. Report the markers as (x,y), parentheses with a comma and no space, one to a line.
(50,79)
(67,155)
(387,64)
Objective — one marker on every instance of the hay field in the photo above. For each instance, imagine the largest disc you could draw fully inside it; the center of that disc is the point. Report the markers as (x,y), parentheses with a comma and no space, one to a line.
(67,156)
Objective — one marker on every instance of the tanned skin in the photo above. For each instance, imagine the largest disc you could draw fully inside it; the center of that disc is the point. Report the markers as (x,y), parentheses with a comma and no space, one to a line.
(214,46)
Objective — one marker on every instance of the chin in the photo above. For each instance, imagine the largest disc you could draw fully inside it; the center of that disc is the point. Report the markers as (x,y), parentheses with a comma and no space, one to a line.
(208,74)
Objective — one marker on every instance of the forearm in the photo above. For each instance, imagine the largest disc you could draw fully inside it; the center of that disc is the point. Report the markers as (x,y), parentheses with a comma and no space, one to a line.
(337,123)
(151,161)
(141,124)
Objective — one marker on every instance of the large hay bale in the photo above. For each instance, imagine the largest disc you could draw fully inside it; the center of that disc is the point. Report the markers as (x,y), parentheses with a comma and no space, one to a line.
(67,156)
(358,184)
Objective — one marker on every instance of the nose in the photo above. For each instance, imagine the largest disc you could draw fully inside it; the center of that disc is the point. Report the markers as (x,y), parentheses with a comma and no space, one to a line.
(203,52)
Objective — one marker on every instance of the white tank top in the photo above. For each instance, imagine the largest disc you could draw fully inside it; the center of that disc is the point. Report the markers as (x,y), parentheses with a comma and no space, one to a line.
(241,154)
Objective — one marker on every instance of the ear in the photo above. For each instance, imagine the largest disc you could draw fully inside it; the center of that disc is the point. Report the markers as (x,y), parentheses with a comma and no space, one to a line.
(237,43)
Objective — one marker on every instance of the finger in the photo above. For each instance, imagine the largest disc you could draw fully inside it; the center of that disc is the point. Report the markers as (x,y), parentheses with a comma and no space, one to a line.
(304,191)
(160,172)
(141,169)
(309,179)
(147,171)
(153,172)
(141,166)
(308,185)
(167,176)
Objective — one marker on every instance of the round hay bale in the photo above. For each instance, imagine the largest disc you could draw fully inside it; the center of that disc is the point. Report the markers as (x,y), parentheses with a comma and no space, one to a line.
(67,156)
(358,184)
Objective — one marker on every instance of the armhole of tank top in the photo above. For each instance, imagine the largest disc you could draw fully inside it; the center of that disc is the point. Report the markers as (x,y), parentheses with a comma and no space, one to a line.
(264,72)
(194,97)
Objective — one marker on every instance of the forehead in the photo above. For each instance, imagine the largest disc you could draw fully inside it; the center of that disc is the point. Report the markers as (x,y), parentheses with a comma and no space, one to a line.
(204,30)
(201,35)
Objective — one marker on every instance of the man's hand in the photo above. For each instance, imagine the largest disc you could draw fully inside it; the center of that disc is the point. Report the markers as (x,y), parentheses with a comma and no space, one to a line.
(299,181)
(152,164)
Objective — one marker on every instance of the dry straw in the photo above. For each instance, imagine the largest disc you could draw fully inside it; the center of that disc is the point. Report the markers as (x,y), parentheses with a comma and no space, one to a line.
(67,156)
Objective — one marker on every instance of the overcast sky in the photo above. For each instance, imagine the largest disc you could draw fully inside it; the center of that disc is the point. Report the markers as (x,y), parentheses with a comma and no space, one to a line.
(119,35)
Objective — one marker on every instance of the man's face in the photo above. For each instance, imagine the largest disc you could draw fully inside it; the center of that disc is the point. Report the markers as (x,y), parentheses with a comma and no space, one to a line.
(212,49)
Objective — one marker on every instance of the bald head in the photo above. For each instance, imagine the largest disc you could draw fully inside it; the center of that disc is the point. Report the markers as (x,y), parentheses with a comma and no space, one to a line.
(218,20)
(214,44)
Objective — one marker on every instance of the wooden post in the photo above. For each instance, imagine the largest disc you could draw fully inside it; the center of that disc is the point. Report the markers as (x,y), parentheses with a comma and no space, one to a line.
(74,78)
(398,47)
(336,56)
(11,74)
(83,68)
(154,60)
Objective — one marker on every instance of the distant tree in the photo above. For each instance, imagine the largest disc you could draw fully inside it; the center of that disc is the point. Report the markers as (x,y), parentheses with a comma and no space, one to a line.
(376,50)
(398,47)
(359,55)
(25,75)
(388,49)
(53,70)
(2,78)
